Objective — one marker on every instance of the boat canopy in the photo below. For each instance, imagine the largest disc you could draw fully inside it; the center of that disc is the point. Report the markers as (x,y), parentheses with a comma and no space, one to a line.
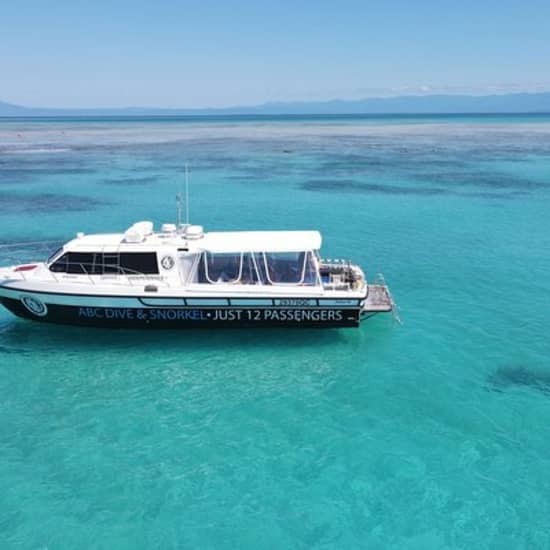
(260,241)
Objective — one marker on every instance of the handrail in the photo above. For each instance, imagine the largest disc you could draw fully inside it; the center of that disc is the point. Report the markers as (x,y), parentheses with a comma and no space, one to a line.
(128,275)
(120,270)
(342,265)
(381,280)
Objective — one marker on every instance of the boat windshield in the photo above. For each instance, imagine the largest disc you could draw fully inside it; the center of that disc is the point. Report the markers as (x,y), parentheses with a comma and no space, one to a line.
(53,256)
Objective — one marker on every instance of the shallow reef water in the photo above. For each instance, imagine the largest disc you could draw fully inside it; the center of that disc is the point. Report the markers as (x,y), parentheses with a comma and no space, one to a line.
(429,435)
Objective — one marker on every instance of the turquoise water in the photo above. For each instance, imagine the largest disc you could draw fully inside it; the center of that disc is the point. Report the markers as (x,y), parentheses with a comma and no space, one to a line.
(433,434)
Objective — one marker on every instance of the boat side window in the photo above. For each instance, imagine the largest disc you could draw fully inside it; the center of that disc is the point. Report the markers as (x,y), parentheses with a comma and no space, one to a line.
(220,268)
(311,275)
(284,267)
(90,263)
(60,265)
(249,274)
(290,268)
(127,263)
(138,262)
(74,262)
(259,264)
(80,262)
(109,263)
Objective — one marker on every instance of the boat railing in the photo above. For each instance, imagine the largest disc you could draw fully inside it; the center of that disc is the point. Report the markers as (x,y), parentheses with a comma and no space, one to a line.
(381,280)
(338,274)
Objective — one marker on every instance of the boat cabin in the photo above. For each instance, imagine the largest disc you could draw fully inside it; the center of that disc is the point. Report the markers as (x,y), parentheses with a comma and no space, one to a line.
(189,256)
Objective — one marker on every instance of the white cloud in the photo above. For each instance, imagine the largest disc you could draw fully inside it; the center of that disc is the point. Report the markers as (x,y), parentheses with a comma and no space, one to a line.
(428,89)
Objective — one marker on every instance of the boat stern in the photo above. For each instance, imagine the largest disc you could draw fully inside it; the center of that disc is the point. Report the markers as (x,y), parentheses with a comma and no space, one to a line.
(379,300)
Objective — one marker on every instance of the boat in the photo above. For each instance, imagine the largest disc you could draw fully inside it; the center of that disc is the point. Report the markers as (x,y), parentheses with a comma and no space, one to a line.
(182,276)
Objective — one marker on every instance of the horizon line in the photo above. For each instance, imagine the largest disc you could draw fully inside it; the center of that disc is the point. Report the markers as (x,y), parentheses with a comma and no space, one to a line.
(305,102)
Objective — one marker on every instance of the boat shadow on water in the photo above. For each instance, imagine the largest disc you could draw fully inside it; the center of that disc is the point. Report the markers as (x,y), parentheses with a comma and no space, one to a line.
(21,336)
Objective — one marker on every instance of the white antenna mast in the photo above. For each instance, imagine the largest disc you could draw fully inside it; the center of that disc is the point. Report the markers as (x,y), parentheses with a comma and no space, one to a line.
(178,210)
(186,194)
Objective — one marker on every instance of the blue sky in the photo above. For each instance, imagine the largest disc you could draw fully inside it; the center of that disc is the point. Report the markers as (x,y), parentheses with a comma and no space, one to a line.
(203,53)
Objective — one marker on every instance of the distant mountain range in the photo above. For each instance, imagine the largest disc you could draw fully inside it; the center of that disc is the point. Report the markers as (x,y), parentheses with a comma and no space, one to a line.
(425,104)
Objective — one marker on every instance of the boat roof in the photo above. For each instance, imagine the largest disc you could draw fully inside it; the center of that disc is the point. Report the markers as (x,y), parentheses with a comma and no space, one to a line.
(261,241)
(220,242)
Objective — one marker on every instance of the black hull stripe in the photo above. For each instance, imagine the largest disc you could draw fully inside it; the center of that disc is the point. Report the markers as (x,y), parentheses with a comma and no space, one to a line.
(199,317)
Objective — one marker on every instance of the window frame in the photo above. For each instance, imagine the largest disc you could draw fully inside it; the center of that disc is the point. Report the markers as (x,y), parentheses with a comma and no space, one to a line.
(207,274)
(97,265)
(54,256)
(303,270)
(124,270)
(258,262)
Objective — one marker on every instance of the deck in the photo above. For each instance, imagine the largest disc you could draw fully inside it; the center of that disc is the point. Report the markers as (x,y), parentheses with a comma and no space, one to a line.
(378,299)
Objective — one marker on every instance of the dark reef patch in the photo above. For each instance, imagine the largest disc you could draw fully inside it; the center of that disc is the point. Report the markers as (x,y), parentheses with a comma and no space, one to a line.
(145,180)
(386,158)
(266,171)
(352,186)
(54,171)
(348,165)
(493,180)
(492,194)
(510,377)
(245,177)
(21,174)
(48,202)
